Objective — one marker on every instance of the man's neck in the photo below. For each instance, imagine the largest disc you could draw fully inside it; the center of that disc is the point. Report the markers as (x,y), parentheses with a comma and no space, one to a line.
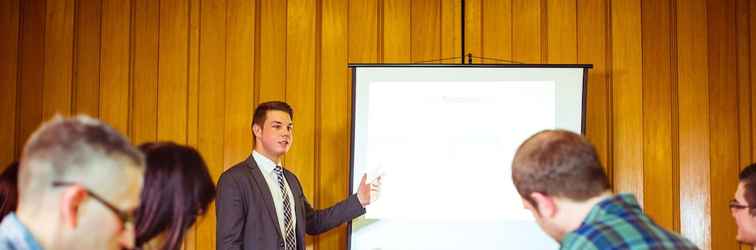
(275,159)
(574,213)
(38,225)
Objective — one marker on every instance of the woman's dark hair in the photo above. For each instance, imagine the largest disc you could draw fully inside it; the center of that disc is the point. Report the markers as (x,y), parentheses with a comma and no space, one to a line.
(9,189)
(177,189)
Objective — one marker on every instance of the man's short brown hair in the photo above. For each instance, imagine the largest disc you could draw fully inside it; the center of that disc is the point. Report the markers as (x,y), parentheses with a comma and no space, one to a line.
(748,178)
(262,110)
(558,163)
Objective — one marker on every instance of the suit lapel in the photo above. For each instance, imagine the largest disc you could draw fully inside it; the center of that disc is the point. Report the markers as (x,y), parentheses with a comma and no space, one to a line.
(264,192)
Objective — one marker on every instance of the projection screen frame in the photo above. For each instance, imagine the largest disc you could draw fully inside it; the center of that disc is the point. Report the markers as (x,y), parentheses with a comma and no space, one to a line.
(354,66)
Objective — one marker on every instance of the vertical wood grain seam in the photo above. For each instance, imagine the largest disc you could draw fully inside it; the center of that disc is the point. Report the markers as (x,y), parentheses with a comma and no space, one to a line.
(609,90)
(318,107)
(132,51)
(544,29)
(17,145)
(256,54)
(74,59)
(381,32)
(673,54)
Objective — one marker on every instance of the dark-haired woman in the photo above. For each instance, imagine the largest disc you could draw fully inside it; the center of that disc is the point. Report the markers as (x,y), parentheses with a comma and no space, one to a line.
(177,190)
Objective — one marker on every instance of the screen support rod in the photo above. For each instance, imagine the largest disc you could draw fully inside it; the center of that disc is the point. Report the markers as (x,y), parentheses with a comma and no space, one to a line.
(462,33)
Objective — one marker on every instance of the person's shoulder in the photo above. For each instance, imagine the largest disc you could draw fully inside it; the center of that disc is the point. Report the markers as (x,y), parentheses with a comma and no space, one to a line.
(577,241)
(237,170)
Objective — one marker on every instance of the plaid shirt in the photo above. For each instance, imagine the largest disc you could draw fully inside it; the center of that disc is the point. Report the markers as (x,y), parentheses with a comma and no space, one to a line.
(619,223)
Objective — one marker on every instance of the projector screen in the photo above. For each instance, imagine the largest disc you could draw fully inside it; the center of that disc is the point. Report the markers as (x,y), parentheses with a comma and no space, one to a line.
(443,138)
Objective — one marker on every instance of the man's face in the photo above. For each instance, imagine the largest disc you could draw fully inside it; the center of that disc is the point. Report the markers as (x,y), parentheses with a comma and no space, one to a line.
(99,227)
(275,137)
(746,222)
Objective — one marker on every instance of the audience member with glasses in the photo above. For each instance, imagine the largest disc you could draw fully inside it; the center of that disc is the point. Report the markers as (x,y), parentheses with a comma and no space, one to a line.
(78,185)
(743,206)
(177,190)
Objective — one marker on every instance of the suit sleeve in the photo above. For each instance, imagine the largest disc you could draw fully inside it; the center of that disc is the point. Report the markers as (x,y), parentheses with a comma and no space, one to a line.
(319,221)
(229,214)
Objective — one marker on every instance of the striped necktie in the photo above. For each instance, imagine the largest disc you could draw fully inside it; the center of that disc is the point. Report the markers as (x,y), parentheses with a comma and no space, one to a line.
(290,239)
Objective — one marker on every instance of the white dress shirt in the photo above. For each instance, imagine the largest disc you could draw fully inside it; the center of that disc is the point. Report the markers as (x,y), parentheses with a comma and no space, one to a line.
(266,167)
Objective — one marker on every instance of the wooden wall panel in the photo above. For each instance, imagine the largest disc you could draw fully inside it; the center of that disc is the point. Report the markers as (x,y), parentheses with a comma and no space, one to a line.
(396,32)
(334,120)
(272,62)
(31,61)
(743,53)
(658,167)
(86,71)
(9,22)
(527,37)
(627,96)
(451,34)
(211,106)
(693,97)
(592,48)
(145,76)
(363,31)
(240,26)
(725,141)
(57,86)
(300,94)
(426,31)
(115,64)
(173,71)
(752,33)
(474,29)
(497,30)
(561,29)
(670,97)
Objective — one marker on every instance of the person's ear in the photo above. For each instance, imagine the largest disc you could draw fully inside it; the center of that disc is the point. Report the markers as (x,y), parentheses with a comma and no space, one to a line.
(257,130)
(73,196)
(544,205)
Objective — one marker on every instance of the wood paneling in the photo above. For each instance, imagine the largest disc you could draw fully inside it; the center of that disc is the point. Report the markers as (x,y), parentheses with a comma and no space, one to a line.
(561,26)
(240,27)
(723,96)
(211,105)
(426,30)
(694,117)
(9,22)
(173,71)
(497,30)
(86,73)
(670,99)
(334,102)
(396,32)
(627,97)
(527,33)
(592,48)
(57,86)
(145,76)
(31,61)
(115,64)
(658,83)
(272,53)
(300,93)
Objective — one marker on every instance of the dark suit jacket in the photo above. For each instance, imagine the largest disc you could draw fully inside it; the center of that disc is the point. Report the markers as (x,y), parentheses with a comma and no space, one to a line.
(246,216)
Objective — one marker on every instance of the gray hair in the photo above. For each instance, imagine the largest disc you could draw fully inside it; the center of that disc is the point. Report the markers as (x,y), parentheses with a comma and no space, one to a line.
(78,149)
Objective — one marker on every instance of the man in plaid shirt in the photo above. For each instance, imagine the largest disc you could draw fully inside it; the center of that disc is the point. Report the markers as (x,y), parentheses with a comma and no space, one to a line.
(562,182)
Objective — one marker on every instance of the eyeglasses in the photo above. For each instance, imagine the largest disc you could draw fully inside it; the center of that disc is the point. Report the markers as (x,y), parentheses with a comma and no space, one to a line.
(735,205)
(126,218)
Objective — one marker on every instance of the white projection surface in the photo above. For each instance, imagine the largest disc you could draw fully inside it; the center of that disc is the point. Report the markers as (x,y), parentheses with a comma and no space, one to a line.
(443,138)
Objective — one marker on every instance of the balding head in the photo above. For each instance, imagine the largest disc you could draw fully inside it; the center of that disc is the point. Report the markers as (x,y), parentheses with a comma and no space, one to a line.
(558,163)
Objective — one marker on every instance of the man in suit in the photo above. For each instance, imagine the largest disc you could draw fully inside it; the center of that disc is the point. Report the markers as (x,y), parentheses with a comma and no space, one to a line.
(261,205)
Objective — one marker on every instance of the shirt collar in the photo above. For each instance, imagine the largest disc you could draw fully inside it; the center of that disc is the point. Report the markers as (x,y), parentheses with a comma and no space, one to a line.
(624,203)
(265,164)
(12,229)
